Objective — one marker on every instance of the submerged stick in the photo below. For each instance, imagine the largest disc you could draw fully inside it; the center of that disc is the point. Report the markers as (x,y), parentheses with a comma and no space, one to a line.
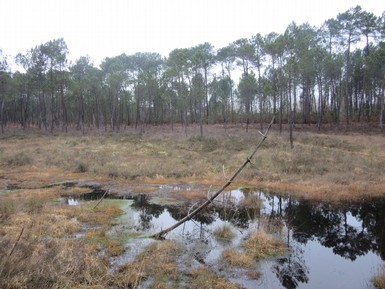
(163,233)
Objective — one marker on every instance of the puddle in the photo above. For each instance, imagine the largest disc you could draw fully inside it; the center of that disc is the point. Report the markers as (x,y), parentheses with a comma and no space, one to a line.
(329,246)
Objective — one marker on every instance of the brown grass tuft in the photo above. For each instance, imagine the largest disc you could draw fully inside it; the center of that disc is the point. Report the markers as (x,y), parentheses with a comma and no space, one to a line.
(129,275)
(224,233)
(46,256)
(261,245)
(54,263)
(17,159)
(203,277)
(103,214)
(255,275)
(379,280)
(237,259)
(157,261)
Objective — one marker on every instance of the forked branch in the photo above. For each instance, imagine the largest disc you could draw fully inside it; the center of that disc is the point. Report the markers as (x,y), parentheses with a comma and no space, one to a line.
(190,215)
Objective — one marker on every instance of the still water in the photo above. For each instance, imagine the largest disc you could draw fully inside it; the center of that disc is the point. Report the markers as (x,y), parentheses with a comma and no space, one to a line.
(329,246)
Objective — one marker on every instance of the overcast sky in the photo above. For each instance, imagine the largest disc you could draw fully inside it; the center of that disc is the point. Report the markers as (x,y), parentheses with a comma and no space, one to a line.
(106,28)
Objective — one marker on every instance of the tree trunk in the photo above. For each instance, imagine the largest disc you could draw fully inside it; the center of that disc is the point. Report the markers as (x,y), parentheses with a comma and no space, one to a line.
(64,108)
(382,112)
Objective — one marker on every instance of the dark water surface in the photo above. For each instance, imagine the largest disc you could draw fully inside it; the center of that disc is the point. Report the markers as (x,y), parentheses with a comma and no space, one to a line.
(330,246)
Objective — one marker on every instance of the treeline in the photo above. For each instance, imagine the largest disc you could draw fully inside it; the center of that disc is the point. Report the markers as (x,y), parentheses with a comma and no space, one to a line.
(331,74)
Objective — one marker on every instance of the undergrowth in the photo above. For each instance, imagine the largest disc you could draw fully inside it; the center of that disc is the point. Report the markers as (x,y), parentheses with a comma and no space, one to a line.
(36,247)
(317,166)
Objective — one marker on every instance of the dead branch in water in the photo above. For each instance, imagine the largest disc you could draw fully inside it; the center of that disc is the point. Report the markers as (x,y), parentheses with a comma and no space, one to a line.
(163,233)
(101,199)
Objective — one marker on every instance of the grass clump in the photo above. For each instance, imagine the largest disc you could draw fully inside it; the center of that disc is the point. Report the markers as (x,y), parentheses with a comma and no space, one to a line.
(261,245)
(203,144)
(203,277)
(98,240)
(237,259)
(224,233)
(157,262)
(254,275)
(103,214)
(17,159)
(37,249)
(81,167)
(54,263)
(379,280)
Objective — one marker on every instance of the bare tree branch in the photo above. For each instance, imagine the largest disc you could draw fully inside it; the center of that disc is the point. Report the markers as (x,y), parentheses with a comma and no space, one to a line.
(190,215)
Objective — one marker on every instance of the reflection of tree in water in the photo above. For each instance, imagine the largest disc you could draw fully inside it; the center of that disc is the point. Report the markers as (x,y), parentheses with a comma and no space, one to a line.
(236,214)
(330,226)
(141,202)
(239,217)
(304,220)
(206,216)
(147,211)
(372,215)
(291,270)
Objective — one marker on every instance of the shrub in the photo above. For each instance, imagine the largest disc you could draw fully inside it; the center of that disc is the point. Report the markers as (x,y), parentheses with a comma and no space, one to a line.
(81,167)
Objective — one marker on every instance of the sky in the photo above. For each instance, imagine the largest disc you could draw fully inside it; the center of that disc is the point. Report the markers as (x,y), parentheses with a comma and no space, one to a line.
(107,28)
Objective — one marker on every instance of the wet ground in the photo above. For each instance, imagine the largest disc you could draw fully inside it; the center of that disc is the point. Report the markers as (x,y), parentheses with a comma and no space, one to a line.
(329,246)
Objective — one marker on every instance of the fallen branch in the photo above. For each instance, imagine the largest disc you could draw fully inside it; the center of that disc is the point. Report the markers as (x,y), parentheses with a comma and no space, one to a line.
(17,241)
(101,199)
(190,215)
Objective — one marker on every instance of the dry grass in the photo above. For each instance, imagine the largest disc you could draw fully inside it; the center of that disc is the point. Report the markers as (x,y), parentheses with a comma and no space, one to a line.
(46,256)
(236,258)
(261,245)
(99,240)
(50,264)
(224,233)
(157,262)
(255,275)
(379,280)
(318,166)
(330,167)
(203,277)
(102,214)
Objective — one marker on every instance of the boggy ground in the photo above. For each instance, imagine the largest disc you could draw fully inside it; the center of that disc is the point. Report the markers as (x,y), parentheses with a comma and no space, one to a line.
(329,166)
(46,244)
